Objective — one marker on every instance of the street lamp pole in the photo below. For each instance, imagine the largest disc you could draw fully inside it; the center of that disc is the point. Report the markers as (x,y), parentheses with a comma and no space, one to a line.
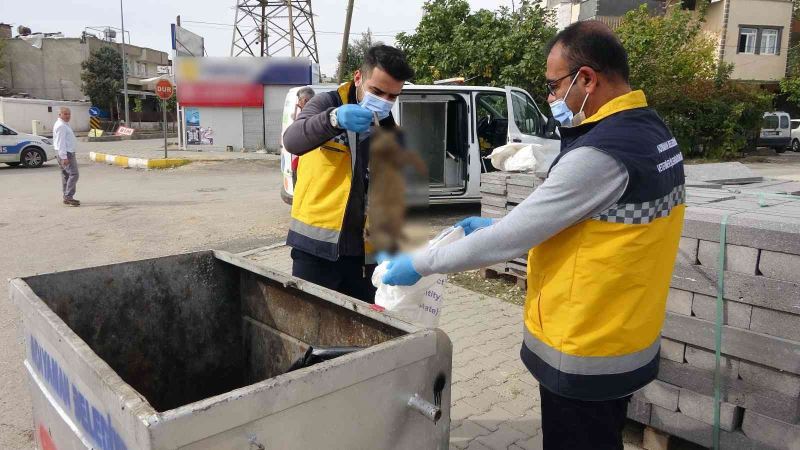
(124,65)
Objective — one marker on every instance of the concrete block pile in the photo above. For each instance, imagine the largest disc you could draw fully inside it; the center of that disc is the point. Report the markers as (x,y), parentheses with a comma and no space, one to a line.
(500,193)
(760,364)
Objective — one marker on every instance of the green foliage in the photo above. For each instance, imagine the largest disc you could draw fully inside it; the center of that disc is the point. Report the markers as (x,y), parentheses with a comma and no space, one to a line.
(355,54)
(137,105)
(493,48)
(102,76)
(674,62)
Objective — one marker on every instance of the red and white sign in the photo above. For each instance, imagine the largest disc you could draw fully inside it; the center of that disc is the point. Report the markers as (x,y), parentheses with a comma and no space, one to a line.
(221,94)
(124,131)
(164,89)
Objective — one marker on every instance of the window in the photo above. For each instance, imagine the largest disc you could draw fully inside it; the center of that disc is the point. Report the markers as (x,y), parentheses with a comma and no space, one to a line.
(6,131)
(770,122)
(795,124)
(769,42)
(526,116)
(757,40)
(747,40)
(784,122)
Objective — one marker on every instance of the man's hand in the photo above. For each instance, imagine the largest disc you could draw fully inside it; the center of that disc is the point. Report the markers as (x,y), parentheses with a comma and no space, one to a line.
(401,272)
(354,118)
(471,224)
(64,163)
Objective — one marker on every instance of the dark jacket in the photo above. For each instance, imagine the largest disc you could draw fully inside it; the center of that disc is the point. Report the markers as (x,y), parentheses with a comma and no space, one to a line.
(311,129)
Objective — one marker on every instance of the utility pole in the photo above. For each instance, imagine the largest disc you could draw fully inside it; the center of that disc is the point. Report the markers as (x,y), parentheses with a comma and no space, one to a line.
(345,40)
(124,65)
(291,27)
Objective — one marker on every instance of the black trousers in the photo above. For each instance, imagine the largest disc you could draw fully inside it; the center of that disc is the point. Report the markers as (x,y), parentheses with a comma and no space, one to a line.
(571,424)
(349,275)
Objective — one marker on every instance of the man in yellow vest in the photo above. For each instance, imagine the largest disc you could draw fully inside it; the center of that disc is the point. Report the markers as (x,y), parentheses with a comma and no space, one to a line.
(602,234)
(332,132)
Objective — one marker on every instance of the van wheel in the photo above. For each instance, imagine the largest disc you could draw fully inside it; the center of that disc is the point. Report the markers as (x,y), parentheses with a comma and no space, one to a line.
(33,157)
(796,145)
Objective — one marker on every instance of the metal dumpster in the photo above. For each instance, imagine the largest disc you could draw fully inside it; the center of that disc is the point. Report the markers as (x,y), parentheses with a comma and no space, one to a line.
(194,351)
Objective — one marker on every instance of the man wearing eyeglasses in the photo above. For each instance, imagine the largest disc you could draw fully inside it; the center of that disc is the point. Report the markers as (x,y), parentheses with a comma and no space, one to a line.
(601,234)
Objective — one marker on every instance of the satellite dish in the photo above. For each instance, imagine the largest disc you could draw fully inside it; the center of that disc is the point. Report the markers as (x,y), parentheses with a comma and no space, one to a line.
(23,30)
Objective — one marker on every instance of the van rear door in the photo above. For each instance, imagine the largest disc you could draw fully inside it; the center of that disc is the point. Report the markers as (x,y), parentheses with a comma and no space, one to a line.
(526,122)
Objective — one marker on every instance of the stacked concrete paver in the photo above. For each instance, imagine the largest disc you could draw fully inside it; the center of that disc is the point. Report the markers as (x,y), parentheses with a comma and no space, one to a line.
(500,193)
(760,363)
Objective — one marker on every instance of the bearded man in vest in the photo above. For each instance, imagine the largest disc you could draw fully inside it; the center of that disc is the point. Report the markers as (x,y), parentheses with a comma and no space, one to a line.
(601,234)
(332,133)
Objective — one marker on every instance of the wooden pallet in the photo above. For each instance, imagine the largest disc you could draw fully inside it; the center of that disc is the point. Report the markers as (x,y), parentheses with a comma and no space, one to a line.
(505,273)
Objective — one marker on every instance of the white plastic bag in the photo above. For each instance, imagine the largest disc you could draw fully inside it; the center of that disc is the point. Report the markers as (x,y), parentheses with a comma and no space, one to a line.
(515,157)
(422,302)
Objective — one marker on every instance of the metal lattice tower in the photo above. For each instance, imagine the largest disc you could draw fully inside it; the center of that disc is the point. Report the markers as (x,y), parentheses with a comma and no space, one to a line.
(274,28)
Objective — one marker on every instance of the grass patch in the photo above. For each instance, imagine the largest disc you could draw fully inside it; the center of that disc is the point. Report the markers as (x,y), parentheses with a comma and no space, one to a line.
(503,288)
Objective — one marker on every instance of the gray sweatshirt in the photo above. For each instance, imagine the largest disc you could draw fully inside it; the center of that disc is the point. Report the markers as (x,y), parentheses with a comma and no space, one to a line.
(585,182)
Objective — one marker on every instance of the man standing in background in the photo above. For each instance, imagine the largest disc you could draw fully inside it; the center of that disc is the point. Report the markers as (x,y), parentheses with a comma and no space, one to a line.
(64,142)
(304,94)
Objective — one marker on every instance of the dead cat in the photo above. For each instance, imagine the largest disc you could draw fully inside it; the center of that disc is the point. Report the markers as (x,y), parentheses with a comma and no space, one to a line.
(386,202)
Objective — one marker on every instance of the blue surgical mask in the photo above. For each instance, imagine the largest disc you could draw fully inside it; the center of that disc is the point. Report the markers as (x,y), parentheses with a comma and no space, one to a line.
(561,111)
(377,105)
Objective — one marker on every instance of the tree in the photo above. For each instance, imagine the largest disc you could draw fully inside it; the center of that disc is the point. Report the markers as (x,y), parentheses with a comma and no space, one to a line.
(102,76)
(137,108)
(674,61)
(355,54)
(494,48)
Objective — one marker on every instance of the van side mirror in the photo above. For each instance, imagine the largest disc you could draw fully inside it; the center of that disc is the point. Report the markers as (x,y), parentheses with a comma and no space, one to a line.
(551,129)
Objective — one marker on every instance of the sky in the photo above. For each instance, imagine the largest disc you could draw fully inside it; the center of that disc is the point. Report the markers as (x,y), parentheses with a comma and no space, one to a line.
(148,21)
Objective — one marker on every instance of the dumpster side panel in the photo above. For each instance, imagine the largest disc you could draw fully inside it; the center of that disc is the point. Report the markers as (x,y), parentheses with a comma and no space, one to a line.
(169,326)
(370,415)
(78,400)
(355,401)
(308,318)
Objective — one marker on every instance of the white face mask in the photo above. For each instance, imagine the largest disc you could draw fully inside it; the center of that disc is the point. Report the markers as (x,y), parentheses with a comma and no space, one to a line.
(563,114)
(377,105)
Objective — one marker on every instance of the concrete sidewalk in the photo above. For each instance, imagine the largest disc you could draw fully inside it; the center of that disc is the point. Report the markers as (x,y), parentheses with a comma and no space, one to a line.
(495,401)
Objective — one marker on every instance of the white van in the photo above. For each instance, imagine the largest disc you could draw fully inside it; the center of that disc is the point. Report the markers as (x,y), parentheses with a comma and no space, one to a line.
(452,127)
(775,131)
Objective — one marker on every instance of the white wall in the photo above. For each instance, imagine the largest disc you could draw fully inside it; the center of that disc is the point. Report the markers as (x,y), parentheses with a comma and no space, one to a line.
(227,126)
(274,99)
(19,112)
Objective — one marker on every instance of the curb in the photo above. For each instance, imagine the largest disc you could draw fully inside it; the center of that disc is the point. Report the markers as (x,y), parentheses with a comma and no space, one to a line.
(138,163)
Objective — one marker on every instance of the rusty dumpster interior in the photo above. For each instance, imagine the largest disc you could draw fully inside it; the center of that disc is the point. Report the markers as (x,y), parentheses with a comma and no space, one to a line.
(183,328)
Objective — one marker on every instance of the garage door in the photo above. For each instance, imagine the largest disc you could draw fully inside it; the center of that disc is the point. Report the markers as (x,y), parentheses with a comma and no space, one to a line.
(253,128)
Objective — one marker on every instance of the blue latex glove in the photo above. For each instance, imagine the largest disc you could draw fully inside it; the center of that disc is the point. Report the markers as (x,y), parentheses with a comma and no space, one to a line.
(354,118)
(382,256)
(401,272)
(471,224)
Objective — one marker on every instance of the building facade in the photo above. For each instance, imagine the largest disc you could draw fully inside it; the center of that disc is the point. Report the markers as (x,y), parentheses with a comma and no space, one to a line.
(50,68)
(753,35)
(607,11)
